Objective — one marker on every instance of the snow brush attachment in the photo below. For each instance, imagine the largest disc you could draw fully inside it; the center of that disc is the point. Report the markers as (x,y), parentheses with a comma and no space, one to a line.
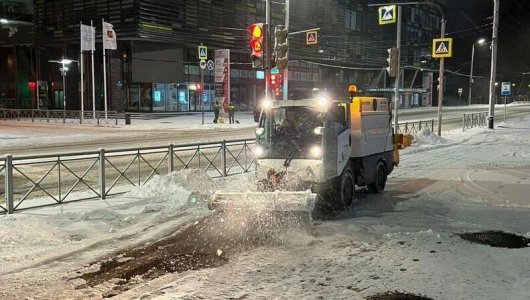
(267,212)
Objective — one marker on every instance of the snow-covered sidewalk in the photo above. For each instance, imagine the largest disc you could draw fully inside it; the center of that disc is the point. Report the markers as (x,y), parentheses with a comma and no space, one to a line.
(27,134)
(404,239)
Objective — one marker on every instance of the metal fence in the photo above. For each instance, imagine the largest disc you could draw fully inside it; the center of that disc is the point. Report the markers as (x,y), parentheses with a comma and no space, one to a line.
(413,127)
(474,120)
(7,103)
(42,180)
(60,116)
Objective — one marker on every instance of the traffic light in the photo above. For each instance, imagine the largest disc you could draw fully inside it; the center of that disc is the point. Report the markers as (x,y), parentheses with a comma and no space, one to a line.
(274,80)
(257,31)
(280,47)
(393,66)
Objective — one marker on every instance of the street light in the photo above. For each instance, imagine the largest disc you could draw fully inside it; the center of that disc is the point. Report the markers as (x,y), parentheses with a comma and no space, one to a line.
(479,42)
(4,21)
(64,69)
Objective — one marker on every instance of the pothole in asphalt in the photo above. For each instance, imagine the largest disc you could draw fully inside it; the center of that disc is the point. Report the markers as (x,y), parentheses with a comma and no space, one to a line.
(397,296)
(496,239)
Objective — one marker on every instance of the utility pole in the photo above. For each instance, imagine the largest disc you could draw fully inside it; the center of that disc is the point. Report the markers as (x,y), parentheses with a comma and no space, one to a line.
(286,70)
(201,91)
(267,62)
(494,41)
(441,81)
(398,76)
(471,75)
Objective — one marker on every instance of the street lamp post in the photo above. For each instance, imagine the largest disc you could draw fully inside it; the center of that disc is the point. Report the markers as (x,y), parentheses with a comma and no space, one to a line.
(64,69)
(479,42)
(494,42)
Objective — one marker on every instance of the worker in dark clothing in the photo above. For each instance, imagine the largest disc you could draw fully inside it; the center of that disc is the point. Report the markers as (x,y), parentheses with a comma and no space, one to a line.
(231,112)
(216,110)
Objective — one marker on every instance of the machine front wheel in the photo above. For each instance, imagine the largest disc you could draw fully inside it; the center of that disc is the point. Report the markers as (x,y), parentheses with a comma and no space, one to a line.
(347,189)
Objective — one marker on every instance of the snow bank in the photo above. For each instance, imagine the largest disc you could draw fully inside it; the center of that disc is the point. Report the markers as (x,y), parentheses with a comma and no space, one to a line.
(147,212)
(178,188)
(22,238)
(426,137)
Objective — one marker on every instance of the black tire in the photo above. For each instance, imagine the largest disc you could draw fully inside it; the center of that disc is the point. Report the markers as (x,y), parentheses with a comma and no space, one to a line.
(347,189)
(380,179)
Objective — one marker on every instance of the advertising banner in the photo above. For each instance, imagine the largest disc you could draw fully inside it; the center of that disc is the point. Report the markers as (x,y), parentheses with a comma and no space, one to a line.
(426,99)
(222,77)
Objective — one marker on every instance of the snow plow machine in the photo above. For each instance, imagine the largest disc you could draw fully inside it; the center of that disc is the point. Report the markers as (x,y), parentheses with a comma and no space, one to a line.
(312,156)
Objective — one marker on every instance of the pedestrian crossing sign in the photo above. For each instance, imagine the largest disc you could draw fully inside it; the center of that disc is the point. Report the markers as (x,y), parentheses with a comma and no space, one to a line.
(311,38)
(203,52)
(442,48)
(387,14)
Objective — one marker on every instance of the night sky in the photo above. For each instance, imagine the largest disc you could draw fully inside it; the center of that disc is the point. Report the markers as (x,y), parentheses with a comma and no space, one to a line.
(470,20)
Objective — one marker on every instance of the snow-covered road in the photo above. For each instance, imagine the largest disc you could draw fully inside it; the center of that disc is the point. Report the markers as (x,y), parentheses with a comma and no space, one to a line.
(404,239)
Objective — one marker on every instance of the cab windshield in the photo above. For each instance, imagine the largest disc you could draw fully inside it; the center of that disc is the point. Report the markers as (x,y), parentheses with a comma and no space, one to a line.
(292,133)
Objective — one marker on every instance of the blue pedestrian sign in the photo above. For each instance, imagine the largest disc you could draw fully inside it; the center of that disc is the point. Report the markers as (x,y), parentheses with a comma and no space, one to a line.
(203,52)
(506,89)
(442,48)
(387,14)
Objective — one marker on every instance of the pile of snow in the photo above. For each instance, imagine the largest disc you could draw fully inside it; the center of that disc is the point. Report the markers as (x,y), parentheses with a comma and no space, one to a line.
(25,238)
(179,189)
(426,137)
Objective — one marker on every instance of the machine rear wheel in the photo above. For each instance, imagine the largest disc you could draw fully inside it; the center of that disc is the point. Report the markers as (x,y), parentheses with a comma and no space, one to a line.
(380,179)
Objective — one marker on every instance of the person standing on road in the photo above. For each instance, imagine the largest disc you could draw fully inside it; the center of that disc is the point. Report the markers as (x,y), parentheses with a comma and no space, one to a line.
(231,112)
(216,110)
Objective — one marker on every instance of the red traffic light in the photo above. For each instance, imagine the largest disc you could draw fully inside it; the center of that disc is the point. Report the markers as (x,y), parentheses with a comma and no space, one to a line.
(256,45)
(275,80)
(32,84)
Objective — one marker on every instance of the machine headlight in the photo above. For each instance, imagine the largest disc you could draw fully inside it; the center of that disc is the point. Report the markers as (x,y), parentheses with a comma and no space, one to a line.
(259,151)
(260,131)
(266,103)
(323,100)
(316,151)
(319,130)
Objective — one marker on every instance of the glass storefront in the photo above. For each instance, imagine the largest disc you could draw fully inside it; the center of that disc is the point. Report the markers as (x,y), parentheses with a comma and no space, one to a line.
(169,97)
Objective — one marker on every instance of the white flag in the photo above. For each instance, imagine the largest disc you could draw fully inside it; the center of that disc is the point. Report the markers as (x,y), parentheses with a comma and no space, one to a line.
(109,37)
(88,38)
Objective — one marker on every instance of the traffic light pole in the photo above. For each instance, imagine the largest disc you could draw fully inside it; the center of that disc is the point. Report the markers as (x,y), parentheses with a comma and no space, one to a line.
(286,70)
(441,81)
(267,62)
(398,75)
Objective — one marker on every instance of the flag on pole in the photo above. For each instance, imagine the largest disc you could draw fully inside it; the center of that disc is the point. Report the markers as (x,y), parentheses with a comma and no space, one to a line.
(88,38)
(109,37)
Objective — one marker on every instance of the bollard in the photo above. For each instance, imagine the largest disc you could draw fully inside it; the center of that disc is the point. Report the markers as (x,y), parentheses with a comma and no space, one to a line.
(127,119)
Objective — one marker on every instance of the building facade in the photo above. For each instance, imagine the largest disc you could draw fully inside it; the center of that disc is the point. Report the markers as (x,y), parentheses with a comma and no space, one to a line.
(156,67)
